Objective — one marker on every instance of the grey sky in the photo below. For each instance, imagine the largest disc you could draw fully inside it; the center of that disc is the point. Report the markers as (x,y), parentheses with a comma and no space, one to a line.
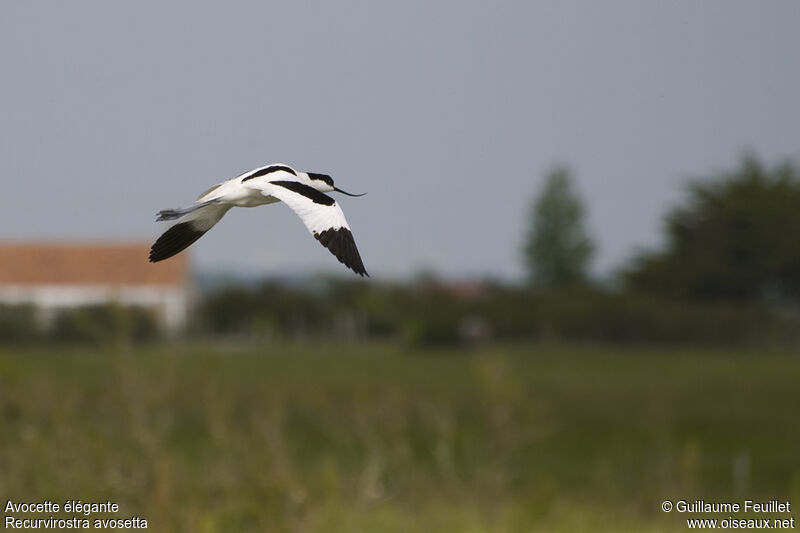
(448,114)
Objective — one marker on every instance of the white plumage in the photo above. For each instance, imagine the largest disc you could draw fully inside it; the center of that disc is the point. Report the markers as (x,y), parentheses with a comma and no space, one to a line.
(303,192)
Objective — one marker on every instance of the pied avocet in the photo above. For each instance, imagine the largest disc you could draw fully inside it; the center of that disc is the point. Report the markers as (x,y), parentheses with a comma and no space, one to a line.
(302,191)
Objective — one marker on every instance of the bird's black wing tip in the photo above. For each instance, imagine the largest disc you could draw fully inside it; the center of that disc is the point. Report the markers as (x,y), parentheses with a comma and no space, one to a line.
(361,272)
(341,244)
(174,240)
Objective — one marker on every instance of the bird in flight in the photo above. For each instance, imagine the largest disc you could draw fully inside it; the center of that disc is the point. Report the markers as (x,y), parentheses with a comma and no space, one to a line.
(303,192)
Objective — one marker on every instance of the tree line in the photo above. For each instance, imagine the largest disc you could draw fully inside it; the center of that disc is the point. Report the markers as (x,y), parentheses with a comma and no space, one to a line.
(731,240)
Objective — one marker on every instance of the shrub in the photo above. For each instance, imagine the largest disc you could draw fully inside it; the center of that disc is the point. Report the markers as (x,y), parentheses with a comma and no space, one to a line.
(104,324)
(17,323)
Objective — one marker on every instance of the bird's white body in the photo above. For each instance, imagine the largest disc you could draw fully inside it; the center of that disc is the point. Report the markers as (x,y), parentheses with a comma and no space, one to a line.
(301,191)
(238,194)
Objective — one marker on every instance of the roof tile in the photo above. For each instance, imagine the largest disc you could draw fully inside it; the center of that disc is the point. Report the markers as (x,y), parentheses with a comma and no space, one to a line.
(87,264)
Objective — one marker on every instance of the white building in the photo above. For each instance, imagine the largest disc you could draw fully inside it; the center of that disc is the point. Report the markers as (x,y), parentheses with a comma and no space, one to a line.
(57,276)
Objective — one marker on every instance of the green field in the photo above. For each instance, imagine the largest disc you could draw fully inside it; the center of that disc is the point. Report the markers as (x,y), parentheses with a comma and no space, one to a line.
(352,438)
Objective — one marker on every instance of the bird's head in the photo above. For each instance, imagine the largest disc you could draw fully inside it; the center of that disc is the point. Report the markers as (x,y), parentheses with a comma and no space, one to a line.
(324,183)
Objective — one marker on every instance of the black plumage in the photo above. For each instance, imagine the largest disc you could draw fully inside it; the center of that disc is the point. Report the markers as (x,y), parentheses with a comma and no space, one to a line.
(174,240)
(342,245)
(309,192)
(269,170)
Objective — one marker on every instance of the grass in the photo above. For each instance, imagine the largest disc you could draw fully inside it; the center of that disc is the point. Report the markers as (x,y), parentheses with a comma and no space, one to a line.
(370,438)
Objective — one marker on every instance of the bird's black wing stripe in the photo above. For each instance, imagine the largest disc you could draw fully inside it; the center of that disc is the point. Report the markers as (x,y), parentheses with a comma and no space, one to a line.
(269,170)
(305,190)
(341,244)
(174,240)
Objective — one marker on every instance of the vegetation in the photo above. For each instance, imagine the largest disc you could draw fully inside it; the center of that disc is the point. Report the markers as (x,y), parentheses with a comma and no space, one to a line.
(17,323)
(438,314)
(99,325)
(733,240)
(557,248)
(103,325)
(372,438)
(429,314)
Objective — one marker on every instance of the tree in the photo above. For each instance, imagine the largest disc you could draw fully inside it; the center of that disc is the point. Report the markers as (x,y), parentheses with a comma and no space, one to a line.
(557,248)
(735,239)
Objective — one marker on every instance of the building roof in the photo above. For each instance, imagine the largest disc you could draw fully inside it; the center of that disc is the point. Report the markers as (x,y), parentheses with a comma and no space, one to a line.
(87,264)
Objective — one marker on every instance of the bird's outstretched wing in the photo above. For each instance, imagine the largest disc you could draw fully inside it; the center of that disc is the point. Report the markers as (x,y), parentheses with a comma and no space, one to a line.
(197,220)
(322,216)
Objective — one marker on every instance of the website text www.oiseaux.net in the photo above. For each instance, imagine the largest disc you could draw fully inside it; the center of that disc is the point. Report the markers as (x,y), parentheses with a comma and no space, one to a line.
(760,514)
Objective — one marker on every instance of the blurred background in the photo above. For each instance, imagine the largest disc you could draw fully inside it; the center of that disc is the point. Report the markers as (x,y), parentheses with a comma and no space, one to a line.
(580,229)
